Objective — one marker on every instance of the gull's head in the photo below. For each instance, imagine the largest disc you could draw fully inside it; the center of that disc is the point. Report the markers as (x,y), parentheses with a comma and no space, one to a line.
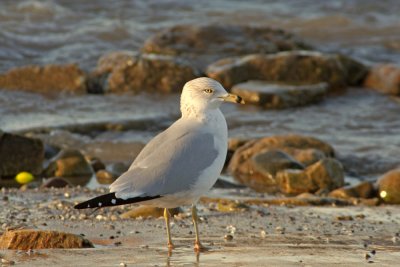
(202,94)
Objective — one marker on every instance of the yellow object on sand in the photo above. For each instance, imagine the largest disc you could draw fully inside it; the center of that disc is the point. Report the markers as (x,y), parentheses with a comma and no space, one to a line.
(24,177)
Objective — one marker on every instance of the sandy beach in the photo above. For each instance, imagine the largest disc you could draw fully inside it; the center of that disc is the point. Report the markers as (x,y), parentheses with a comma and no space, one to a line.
(256,235)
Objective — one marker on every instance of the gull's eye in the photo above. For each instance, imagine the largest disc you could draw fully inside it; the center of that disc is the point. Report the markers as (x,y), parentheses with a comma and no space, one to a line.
(209,91)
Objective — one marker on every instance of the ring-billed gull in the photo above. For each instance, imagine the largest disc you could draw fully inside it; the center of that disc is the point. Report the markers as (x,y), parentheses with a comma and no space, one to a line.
(180,164)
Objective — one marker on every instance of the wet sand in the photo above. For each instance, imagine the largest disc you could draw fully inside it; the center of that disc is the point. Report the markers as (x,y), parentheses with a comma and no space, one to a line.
(262,235)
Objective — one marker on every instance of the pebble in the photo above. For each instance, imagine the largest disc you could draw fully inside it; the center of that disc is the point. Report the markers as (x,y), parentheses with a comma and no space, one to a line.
(263,233)
(280,229)
(100,217)
(123,264)
(231,229)
(228,237)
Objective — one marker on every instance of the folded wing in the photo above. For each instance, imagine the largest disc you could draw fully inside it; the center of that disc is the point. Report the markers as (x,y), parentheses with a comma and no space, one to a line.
(170,163)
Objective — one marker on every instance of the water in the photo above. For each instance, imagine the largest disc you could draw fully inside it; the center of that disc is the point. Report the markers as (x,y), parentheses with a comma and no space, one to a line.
(362,125)
(42,32)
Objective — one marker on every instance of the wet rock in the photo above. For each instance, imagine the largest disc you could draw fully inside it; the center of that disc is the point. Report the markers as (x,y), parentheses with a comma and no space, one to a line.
(361,190)
(137,73)
(45,79)
(233,144)
(227,182)
(105,177)
(117,168)
(37,239)
(69,163)
(294,67)
(384,78)
(50,151)
(326,174)
(356,72)
(19,153)
(56,182)
(306,157)
(146,211)
(113,152)
(203,44)
(270,162)
(244,170)
(389,187)
(97,164)
(278,95)
(295,182)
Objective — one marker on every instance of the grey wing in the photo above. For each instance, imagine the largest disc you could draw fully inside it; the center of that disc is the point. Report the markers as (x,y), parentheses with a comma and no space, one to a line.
(173,166)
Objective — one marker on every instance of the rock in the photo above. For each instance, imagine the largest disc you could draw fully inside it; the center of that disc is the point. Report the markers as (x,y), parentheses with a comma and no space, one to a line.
(356,71)
(118,168)
(147,211)
(389,187)
(45,79)
(113,152)
(105,177)
(362,190)
(306,157)
(69,163)
(56,182)
(294,67)
(97,164)
(137,73)
(233,144)
(294,182)
(38,239)
(270,162)
(326,174)
(19,153)
(50,151)
(278,95)
(244,170)
(203,44)
(384,78)
(227,182)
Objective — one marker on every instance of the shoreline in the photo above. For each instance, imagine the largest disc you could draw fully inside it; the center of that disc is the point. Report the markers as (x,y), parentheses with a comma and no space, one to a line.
(284,235)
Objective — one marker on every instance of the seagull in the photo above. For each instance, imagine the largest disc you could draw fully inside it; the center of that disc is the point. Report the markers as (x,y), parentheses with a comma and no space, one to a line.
(180,164)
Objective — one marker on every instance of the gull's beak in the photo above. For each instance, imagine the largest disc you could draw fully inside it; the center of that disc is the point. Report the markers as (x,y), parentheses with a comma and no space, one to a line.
(232,98)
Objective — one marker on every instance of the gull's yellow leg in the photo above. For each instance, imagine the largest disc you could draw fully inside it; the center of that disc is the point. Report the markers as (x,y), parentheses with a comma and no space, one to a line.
(166,217)
(197,245)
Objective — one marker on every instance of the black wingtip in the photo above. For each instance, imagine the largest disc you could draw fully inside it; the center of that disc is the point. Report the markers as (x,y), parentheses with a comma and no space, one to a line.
(109,200)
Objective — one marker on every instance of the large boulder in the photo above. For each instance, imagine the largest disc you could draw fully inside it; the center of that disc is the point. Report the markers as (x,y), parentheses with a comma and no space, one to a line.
(131,72)
(35,239)
(46,79)
(384,78)
(247,159)
(389,186)
(204,44)
(294,67)
(19,153)
(278,95)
